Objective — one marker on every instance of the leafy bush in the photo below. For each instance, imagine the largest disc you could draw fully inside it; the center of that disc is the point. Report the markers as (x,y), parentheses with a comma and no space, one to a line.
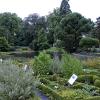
(15,83)
(41,63)
(71,65)
(4,46)
(68,65)
(85,78)
(44,81)
(88,42)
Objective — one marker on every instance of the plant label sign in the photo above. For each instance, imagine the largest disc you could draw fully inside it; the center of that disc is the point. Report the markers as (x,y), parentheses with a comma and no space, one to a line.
(72,79)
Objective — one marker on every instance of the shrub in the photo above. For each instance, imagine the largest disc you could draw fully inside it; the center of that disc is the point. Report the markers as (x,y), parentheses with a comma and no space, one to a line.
(85,78)
(4,46)
(78,86)
(15,83)
(50,92)
(59,80)
(97,83)
(41,63)
(71,65)
(44,81)
(88,42)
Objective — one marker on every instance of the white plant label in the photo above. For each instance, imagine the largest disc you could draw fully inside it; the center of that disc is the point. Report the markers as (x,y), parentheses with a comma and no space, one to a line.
(72,79)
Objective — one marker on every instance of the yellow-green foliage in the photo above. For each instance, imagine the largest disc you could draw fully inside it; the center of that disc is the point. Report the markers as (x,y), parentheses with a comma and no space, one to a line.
(93,98)
(41,63)
(97,83)
(70,94)
(71,65)
(93,63)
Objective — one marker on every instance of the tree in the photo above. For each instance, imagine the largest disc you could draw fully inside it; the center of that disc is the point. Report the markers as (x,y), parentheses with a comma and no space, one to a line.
(10,25)
(96,31)
(64,7)
(40,42)
(4,46)
(53,21)
(31,26)
(72,26)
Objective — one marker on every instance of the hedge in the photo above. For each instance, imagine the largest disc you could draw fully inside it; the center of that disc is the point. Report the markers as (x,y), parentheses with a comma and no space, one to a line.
(50,92)
(93,98)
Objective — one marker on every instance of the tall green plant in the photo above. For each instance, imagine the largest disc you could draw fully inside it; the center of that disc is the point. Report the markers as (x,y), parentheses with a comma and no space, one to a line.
(41,63)
(70,65)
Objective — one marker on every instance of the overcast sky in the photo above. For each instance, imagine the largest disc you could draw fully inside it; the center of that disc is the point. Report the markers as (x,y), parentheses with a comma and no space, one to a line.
(88,8)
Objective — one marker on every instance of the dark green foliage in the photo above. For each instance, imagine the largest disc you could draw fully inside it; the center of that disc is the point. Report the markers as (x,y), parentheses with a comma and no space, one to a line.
(58,44)
(53,21)
(72,26)
(89,42)
(64,7)
(4,46)
(44,81)
(32,26)
(10,26)
(40,41)
(85,78)
(96,30)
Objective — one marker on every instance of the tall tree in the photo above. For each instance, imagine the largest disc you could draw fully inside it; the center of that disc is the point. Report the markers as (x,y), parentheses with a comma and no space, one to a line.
(71,27)
(64,7)
(96,32)
(40,41)
(10,25)
(53,21)
(31,26)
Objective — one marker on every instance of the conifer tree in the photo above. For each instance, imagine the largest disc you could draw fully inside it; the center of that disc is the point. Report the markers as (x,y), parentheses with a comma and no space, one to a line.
(65,7)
